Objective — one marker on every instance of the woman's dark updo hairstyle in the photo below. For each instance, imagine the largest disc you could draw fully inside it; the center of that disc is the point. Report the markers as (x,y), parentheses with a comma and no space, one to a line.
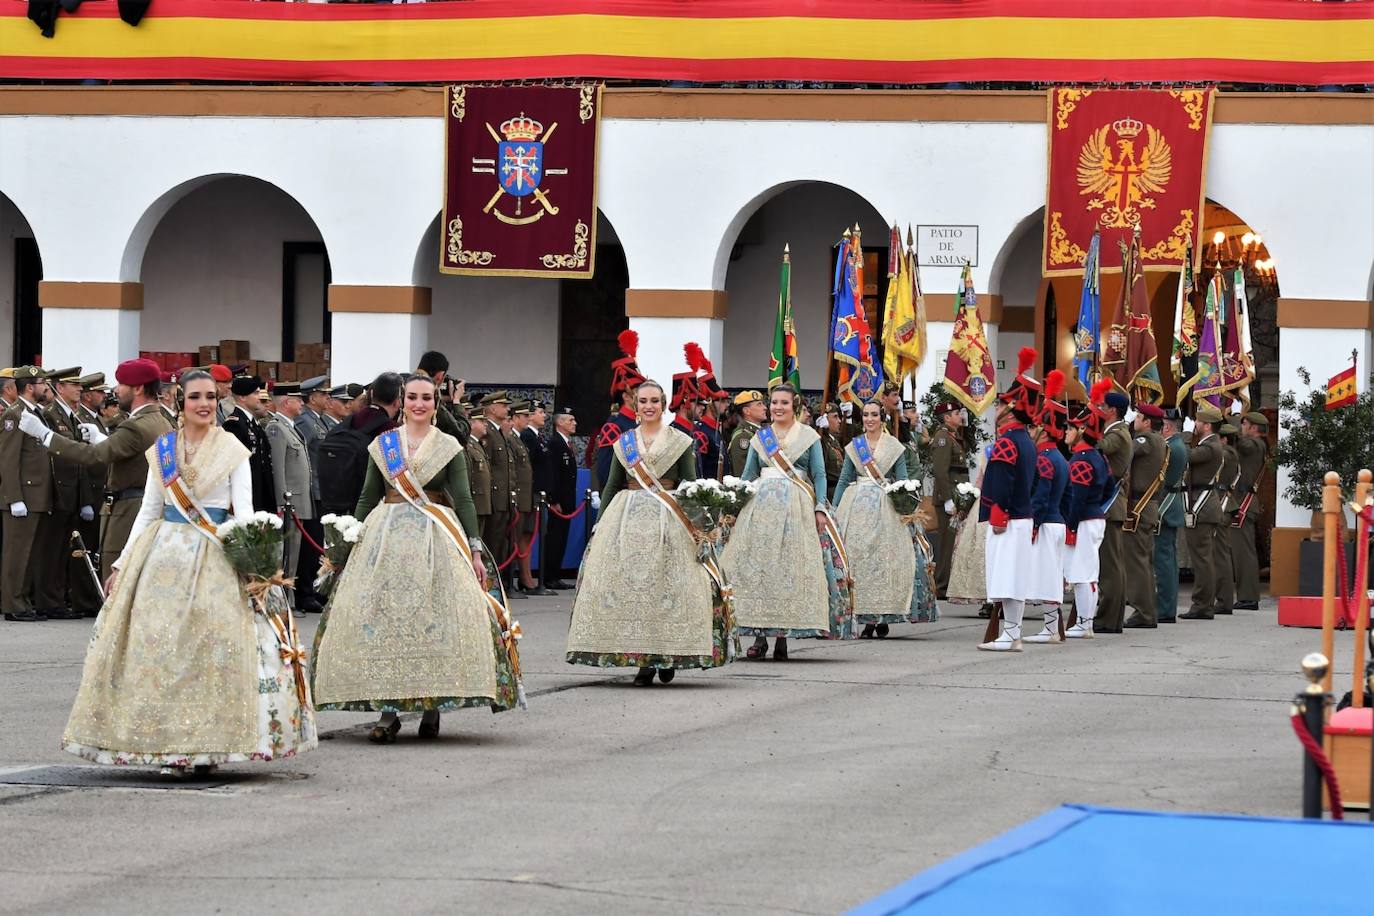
(796,396)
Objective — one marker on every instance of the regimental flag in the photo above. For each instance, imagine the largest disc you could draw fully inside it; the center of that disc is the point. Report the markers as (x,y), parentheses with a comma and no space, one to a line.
(1239,362)
(1207,384)
(858,374)
(1128,348)
(1340,390)
(782,364)
(1086,352)
(1124,161)
(904,321)
(1185,320)
(969,370)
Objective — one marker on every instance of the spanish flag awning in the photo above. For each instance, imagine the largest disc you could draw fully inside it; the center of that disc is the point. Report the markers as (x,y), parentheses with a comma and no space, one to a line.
(898,41)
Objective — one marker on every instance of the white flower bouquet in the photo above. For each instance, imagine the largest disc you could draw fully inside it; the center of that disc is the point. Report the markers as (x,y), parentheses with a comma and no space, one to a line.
(905,496)
(966,496)
(713,505)
(341,535)
(253,545)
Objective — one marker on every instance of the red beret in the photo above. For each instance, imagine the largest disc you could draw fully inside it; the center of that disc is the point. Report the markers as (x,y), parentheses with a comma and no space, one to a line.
(137,372)
(221,373)
(1149,410)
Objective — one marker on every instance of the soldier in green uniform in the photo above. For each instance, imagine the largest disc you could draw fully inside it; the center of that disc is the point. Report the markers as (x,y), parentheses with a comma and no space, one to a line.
(1170,519)
(479,470)
(1203,512)
(26,492)
(448,413)
(752,412)
(523,485)
(1149,456)
(60,592)
(496,408)
(948,468)
(831,447)
(1253,450)
(1221,549)
(1116,446)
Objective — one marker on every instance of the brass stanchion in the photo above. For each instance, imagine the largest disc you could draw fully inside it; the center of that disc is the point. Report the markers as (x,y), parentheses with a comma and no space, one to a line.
(1311,705)
(1331,509)
(1361,591)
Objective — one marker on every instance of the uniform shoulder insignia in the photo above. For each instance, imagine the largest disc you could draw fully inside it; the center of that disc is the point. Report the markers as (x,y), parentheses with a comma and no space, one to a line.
(1141,439)
(1004,450)
(1044,468)
(1081,472)
(942,441)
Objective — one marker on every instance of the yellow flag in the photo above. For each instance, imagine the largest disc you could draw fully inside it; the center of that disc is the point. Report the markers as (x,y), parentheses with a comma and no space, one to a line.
(903,322)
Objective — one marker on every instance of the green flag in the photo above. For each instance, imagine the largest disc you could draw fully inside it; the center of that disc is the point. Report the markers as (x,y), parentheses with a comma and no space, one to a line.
(782,364)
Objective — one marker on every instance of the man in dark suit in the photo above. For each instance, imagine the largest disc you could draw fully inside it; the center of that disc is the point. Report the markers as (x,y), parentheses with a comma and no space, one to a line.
(242,422)
(562,493)
(537,447)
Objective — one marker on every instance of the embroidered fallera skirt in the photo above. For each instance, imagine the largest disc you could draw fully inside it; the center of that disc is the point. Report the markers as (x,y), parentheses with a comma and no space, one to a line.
(881,558)
(967,568)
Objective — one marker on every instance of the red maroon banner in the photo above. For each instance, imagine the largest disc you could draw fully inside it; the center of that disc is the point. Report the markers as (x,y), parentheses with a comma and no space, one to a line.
(520,181)
(1122,159)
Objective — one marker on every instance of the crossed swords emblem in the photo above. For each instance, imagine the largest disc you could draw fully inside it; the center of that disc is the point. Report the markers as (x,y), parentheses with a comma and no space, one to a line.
(519,167)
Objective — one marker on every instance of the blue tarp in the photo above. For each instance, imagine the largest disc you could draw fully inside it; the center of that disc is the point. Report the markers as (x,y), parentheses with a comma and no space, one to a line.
(1109,862)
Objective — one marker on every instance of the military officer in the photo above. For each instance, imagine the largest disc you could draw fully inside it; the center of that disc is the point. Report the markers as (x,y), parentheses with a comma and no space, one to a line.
(242,422)
(752,411)
(224,378)
(167,398)
(1115,446)
(337,408)
(1175,496)
(479,469)
(58,594)
(1221,550)
(531,455)
(948,468)
(1203,514)
(563,492)
(124,451)
(496,408)
(1149,457)
(291,477)
(1253,450)
(831,448)
(93,391)
(26,491)
(311,428)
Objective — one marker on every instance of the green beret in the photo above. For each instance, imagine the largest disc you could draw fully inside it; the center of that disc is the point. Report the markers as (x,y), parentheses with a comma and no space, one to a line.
(1206,413)
(1258,419)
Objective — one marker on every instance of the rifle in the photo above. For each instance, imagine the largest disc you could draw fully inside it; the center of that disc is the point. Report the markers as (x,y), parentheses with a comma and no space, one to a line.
(1244,507)
(1132,521)
(79,551)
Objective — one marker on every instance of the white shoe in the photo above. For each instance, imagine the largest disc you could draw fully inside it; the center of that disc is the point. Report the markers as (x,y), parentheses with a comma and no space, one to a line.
(1049,634)
(1080,630)
(1004,643)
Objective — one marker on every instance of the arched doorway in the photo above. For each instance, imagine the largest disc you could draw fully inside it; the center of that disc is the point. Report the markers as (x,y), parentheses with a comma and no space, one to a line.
(234,258)
(809,218)
(549,338)
(21,269)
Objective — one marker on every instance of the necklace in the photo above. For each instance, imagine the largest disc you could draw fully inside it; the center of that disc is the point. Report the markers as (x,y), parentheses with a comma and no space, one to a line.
(189,451)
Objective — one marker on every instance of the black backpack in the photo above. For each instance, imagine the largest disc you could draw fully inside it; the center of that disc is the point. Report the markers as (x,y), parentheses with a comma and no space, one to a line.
(341,466)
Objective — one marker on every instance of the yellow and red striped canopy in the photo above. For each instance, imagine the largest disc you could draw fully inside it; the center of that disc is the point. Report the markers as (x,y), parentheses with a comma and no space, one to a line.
(1255,41)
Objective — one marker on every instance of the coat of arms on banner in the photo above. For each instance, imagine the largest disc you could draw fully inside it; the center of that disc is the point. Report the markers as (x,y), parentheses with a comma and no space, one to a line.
(519,202)
(1122,161)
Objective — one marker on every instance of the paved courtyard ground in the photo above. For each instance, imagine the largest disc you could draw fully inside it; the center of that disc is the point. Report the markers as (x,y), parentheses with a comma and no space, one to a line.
(805,786)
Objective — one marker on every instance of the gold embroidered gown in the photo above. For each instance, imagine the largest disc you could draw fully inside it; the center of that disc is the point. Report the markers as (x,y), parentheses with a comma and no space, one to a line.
(181,671)
(642,599)
(407,627)
(881,558)
(788,580)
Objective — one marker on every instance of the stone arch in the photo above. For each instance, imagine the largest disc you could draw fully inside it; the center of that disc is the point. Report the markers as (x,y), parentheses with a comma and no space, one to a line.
(21,269)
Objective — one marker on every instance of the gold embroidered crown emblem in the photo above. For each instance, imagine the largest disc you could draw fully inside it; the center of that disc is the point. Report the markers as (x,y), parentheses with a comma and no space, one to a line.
(1125,128)
(521,128)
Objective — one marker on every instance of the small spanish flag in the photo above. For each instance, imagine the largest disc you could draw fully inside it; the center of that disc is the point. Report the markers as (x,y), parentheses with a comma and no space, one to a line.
(1340,390)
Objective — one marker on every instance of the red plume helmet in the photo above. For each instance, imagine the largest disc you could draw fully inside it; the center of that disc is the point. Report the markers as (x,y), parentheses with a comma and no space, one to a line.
(1053,412)
(1054,383)
(625,372)
(696,359)
(1025,359)
(1023,391)
(1098,395)
(629,343)
(1091,418)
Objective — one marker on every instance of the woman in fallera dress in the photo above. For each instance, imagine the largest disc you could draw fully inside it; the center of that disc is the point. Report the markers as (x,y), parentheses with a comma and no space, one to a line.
(411,625)
(643,599)
(784,560)
(181,671)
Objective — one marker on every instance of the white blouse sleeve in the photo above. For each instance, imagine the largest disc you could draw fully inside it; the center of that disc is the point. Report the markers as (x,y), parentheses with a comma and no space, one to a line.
(148,512)
(241,491)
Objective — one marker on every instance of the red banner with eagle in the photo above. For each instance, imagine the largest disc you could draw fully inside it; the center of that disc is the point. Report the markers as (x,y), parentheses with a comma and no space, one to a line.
(520,181)
(1122,160)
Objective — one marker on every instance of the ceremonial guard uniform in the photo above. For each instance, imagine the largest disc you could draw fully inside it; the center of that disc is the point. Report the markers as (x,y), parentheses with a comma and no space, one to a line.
(1006,507)
(1221,548)
(744,432)
(1253,450)
(26,493)
(949,468)
(1115,446)
(625,378)
(683,403)
(710,458)
(1171,516)
(244,427)
(1203,514)
(63,589)
(1149,455)
(1047,507)
(479,475)
(496,534)
(1090,485)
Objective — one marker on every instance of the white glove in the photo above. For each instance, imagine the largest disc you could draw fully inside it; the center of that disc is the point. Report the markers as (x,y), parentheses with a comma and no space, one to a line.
(949,507)
(822,422)
(33,427)
(19,510)
(596,500)
(87,513)
(93,434)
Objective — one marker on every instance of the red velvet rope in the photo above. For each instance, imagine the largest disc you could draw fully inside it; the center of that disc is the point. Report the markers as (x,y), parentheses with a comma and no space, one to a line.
(1314,751)
(575,513)
(516,551)
(305,535)
(1361,581)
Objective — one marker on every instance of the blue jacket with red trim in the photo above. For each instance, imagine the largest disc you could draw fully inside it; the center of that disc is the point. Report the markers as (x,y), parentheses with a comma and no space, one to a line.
(622,421)
(1051,479)
(1090,482)
(1008,477)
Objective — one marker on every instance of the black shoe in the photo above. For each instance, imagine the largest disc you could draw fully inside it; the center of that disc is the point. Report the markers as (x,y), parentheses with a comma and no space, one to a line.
(1168,620)
(560,586)
(645,677)
(780,649)
(1195,615)
(24,617)
(666,675)
(61,613)
(1138,622)
(882,631)
(1221,610)
(867,631)
(516,593)
(1097,630)
(429,724)
(1246,605)
(310,605)
(537,592)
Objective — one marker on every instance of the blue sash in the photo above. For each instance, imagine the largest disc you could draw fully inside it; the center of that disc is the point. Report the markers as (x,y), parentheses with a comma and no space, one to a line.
(392,454)
(630,446)
(862,450)
(769,441)
(167,456)
(218,516)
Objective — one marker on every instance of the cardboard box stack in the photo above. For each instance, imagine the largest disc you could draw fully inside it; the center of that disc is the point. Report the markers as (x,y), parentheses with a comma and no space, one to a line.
(311,360)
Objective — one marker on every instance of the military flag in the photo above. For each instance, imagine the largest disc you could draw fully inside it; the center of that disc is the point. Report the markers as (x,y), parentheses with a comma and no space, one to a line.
(1128,349)
(858,374)
(1206,384)
(1085,339)
(1341,388)
(782,365)
(1185,320)
(969,370)
(904,319)
(1237,369)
